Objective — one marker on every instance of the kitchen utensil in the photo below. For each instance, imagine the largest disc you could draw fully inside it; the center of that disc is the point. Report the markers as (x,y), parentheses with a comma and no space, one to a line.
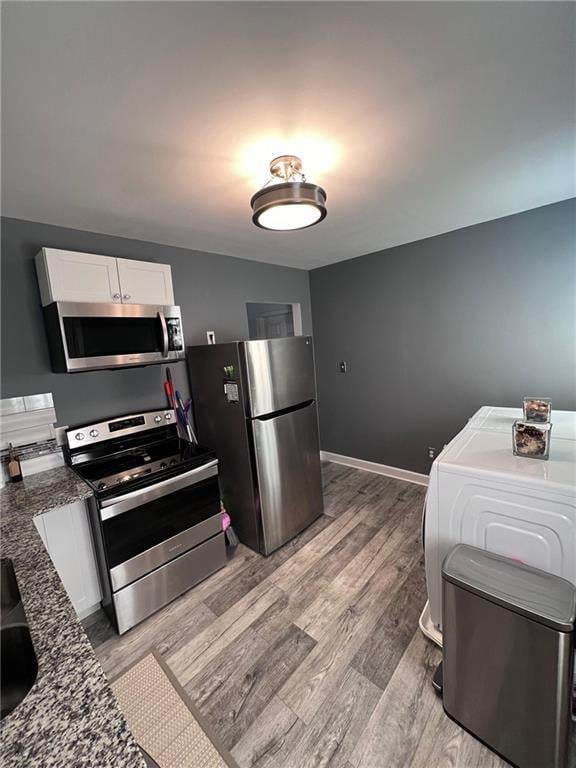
(184,418)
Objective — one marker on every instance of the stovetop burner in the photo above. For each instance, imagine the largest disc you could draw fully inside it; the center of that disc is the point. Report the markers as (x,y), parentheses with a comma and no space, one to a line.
(118,460)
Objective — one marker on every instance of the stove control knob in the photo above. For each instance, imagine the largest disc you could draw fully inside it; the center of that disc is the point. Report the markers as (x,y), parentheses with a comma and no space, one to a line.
(163,465)
(173,461)
(157,418)
(167,416)
(101,486)
(79,436)
(94,433)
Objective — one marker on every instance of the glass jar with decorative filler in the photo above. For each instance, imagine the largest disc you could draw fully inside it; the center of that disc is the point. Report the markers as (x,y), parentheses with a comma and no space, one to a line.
(14,466)
(530,439)
(537,409)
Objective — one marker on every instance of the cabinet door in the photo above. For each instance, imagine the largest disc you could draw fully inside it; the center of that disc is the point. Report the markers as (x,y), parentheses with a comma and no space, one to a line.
(67,536)
(76,276)
(144,282)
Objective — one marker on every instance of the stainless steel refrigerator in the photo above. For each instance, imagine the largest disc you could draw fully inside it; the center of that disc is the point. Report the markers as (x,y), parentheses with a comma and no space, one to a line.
(255,405)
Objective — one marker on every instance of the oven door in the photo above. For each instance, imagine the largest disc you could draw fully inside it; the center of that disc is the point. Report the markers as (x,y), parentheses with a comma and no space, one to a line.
(149,527)
(91,336)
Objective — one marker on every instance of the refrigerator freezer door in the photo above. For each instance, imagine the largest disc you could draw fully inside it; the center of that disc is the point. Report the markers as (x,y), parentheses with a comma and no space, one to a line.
(280,373)
(288,467)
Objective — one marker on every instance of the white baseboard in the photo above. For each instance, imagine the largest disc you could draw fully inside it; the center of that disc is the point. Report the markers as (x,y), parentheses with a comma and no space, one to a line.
(379,469)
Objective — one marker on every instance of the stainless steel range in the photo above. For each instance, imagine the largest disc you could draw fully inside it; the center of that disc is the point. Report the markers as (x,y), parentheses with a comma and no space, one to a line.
(155,512)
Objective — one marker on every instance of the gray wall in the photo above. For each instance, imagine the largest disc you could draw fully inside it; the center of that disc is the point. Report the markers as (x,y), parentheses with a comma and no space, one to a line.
(211,289)
(435,329)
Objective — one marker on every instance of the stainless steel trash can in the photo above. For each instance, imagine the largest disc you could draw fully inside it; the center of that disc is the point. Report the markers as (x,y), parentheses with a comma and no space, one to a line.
(508,648)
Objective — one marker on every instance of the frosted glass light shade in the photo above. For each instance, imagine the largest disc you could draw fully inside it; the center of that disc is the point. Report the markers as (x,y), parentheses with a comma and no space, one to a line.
(289,216)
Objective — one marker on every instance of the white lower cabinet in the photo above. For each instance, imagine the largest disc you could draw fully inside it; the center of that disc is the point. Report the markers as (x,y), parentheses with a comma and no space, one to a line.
(66,534)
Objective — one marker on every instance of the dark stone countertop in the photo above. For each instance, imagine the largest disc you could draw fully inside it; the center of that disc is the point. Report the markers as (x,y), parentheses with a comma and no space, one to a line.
(70,716)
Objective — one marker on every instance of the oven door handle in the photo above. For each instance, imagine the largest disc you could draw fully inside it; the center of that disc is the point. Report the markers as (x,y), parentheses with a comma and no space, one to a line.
(119,504)
(164,328)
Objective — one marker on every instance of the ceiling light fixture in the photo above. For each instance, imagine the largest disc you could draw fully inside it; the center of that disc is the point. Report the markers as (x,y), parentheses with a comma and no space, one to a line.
(292,203)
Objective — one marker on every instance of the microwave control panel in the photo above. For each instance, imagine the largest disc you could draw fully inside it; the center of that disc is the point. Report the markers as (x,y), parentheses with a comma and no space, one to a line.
(175,342)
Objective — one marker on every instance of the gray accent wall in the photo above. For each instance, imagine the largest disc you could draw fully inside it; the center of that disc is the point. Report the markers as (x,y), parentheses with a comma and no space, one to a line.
(435,329)
(211,289)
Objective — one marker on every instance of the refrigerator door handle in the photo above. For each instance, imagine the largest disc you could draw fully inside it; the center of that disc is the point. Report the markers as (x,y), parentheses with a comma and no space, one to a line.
(284,411)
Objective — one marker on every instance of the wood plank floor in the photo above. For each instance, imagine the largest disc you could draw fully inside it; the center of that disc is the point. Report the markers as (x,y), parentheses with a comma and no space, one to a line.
(312,657)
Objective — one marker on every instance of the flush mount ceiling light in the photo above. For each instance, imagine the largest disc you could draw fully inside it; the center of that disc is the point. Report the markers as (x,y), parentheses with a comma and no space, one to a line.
(292,203)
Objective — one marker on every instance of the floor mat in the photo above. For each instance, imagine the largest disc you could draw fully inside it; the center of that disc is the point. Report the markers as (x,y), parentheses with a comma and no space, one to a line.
(164,721)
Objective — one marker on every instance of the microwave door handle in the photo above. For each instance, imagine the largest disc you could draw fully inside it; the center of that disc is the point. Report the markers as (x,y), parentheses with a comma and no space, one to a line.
(164,328)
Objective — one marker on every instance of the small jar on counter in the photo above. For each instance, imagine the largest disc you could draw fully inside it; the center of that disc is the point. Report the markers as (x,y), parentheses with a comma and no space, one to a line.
(14,466)
(538,409)
(530,439)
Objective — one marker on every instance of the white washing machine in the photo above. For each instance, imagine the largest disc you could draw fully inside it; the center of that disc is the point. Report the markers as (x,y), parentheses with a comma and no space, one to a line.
(481,494)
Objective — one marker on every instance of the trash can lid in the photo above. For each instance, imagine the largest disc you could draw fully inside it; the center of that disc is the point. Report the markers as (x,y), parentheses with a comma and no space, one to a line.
(538,595)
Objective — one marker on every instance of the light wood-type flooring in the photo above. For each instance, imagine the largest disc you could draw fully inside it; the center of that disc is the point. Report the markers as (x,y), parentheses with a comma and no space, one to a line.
(312,657)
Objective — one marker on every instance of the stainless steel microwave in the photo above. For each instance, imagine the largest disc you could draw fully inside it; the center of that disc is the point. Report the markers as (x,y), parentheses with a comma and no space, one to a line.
(86,336)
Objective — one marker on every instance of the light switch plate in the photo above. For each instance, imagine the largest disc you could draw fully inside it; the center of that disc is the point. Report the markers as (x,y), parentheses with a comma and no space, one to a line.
(343,366)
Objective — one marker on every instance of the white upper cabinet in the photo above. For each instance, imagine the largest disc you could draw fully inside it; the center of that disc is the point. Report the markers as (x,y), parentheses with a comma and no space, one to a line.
(76,276)
(144,282)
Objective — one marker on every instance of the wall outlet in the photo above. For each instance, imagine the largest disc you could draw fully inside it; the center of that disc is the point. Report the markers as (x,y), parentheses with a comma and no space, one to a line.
(431,452)
(343,366)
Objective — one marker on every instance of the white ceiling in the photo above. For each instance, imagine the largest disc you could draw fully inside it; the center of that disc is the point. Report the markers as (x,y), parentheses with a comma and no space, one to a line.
(157,120)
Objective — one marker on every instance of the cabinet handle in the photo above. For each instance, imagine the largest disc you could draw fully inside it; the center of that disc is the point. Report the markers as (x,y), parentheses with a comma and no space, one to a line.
(116,296)
(126,296)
